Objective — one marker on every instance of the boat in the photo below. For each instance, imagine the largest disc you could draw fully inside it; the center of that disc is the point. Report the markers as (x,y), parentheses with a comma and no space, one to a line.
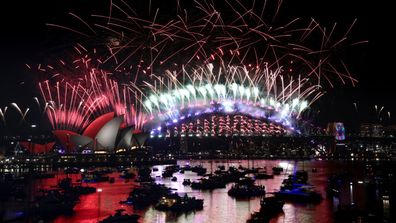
(140,179)
(121,218)
(263,175)
(93,177)
(271,204)
(208,184)
(269,208)
(149,193)
(276,170)
(199,170)
(167,173)
(246,180)
(175,203)
(127,175)
(187,168)
(243,190)
(186,182)
(304,194)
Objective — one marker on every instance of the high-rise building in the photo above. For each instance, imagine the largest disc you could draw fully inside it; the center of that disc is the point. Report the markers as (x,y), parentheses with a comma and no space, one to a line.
(365,130)
(377,130)
(337,130)
(371,130)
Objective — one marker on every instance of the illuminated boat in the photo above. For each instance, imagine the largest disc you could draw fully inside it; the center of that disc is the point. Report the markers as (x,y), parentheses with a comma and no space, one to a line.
(176,203)
(304,194)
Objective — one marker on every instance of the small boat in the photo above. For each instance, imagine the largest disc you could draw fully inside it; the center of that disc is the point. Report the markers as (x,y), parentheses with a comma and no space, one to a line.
(241,190)
(208,184)
(127,175)
(302,194)
(166,174)
(199,170)
(277,170)
(271,204)
(121,218)
(93,178)
(263,175)
(246,180)
(179,204)
(186,182)
(269,208)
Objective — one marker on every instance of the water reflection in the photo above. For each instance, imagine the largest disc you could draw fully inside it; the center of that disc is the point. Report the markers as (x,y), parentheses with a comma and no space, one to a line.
(218,206)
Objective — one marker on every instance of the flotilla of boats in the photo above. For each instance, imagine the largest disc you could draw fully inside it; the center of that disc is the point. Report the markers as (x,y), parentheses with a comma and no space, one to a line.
(62,200)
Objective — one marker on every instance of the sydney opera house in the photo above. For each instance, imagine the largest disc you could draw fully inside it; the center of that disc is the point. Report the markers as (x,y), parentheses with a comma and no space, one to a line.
(106,134)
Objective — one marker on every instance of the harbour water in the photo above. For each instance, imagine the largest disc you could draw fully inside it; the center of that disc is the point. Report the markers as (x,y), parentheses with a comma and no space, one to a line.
(218,205)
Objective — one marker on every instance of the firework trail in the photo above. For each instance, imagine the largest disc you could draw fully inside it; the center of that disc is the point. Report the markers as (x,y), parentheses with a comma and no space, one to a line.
(200,34)
(149,65)
(74,99)
(3,113)
(74,104)
(19,110)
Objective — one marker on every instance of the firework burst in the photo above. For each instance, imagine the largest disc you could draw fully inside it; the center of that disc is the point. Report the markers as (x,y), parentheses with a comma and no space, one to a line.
(158,65)
(229,32)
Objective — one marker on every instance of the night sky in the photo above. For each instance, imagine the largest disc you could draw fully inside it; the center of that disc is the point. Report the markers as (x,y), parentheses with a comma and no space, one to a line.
(26,39)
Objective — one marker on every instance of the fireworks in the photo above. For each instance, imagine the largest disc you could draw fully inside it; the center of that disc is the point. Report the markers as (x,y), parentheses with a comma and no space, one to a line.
(73,105)
(160,69)
(231,32)
(229,89)
(259,92)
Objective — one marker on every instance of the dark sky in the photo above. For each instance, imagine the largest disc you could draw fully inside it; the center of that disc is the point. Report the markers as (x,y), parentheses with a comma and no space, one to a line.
(24,39)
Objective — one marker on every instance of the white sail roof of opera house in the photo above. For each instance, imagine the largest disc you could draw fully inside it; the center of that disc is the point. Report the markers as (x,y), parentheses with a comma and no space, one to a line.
(126,139)
(81,141)
(107,135)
